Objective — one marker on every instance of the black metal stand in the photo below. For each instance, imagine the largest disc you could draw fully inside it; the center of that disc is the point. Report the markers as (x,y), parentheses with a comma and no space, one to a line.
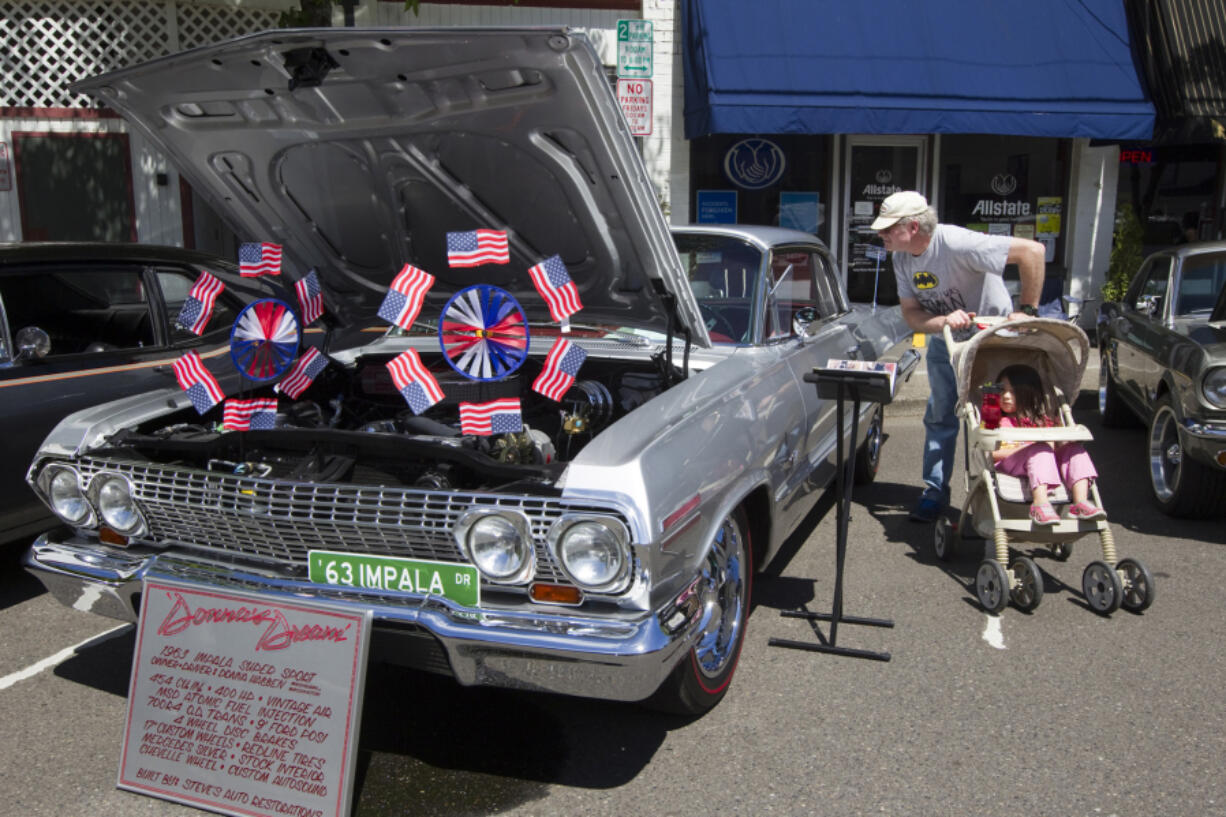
(860,386)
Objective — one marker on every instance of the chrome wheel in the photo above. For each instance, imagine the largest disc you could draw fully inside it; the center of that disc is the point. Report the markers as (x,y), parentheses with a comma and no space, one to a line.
(701,678)
(1111,409)
(1182,486)
(725,598)
(868,458)
(1165,453)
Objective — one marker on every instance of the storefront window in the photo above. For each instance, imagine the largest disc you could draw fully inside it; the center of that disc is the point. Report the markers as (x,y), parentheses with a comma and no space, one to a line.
(779,179)
(1173,189)
(1007,185)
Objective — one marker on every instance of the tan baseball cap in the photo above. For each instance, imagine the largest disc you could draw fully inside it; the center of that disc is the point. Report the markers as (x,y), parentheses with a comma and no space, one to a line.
(899,205)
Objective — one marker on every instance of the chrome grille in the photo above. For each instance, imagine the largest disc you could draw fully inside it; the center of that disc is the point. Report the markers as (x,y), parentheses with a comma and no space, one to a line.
(282,520)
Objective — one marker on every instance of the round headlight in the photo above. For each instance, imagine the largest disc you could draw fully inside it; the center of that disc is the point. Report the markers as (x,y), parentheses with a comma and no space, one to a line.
(66,497)
(116,505)
(500,548)
(1214,386)
(594,553)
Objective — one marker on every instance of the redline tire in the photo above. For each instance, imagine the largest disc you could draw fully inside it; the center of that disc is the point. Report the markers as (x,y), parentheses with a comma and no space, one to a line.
(701,678)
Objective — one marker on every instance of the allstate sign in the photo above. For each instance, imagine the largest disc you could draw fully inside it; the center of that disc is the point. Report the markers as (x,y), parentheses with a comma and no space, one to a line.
(754,163)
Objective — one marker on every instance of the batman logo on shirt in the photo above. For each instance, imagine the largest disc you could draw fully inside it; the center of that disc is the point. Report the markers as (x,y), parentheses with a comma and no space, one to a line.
(924,280)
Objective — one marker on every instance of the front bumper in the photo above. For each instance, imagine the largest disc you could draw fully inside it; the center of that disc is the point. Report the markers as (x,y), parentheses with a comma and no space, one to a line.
(1205,441)
(619,659)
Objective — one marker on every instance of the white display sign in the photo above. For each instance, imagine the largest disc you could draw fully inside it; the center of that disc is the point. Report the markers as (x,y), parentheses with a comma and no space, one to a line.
(634,48)
(635,98)
(244,705)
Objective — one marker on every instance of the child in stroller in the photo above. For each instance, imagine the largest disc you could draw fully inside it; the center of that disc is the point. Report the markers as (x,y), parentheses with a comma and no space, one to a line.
(1006,505)
(1022,405)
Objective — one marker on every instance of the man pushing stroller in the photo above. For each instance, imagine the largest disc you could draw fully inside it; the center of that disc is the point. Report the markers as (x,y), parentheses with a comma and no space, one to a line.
(947,275)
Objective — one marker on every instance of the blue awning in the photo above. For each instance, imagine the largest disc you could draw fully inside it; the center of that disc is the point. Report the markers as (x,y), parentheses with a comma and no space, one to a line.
(1056,68)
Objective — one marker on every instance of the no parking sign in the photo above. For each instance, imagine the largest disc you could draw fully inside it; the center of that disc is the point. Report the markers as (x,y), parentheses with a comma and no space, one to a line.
(635,98)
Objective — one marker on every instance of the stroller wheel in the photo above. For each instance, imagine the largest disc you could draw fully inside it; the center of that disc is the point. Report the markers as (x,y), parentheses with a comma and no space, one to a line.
(992,586)
(943,540)
(1061,550)
(1102,588)
(1138,585)
(1027,590)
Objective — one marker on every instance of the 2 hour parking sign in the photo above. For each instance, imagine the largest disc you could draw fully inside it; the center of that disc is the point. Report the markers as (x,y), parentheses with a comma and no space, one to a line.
(634,52)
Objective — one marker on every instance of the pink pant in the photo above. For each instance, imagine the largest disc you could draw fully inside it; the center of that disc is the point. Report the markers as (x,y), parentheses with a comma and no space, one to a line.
(1044,466)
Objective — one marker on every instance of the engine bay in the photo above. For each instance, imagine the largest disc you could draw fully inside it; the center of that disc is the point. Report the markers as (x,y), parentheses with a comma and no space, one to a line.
(352,425)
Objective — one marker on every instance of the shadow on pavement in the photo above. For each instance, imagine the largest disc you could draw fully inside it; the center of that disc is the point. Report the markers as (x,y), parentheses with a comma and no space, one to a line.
(432,747)
(16,585)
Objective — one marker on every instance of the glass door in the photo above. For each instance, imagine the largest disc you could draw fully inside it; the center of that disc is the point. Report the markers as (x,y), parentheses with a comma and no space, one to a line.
(875,168)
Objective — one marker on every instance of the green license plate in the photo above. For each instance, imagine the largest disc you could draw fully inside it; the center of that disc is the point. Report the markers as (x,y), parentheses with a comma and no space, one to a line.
(459,583)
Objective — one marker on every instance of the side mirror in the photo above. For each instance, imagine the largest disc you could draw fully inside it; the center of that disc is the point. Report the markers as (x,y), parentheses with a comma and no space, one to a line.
(32,343)
(802,318)
(1149,304)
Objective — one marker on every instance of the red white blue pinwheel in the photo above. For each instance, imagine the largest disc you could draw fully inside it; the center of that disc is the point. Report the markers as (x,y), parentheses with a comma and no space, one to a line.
(483,333)
(264,341)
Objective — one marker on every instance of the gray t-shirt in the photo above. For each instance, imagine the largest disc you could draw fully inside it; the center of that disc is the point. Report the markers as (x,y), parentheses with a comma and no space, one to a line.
(960,269)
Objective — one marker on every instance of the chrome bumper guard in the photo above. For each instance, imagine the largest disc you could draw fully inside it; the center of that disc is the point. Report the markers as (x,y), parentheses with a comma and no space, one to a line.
(611,659)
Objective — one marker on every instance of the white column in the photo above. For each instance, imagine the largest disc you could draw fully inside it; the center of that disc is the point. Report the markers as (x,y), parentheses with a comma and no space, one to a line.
(1091,228)
(665,152)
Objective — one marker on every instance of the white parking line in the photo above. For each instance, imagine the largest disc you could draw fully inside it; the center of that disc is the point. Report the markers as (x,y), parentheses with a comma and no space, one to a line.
(61,656)
(993,634)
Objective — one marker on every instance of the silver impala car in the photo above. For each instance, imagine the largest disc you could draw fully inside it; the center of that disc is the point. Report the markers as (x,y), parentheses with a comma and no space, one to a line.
(604,544)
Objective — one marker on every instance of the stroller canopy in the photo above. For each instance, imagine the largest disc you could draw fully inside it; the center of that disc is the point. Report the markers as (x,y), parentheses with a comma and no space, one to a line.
(1056,349)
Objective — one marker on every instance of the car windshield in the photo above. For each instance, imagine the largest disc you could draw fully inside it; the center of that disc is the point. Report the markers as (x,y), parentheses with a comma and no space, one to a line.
(1203,278)
(724,273)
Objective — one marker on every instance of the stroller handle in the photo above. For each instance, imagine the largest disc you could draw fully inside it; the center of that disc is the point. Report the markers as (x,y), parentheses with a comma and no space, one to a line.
(978,323)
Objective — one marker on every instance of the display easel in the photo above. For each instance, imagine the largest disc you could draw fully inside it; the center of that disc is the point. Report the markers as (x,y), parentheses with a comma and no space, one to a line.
(840,385)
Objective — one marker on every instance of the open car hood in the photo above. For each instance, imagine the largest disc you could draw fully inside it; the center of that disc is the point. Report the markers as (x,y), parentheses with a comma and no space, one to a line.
(359,150)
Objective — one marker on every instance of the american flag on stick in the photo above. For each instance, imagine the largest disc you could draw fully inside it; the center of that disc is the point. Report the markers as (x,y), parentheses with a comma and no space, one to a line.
(201,387)
(477,247)
(561,366)
(256,259)
(495,417)
(198,307)
(303,373)
(250,415)
(556,287)
(310,297)
(414,381)
(404,298)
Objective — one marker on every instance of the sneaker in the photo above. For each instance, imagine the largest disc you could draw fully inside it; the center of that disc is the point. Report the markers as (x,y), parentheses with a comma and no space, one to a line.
(1043,515)
(1084,510)
(926,510)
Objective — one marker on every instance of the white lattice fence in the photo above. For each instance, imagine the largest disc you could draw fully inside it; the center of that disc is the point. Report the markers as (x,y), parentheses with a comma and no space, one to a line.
(46,45)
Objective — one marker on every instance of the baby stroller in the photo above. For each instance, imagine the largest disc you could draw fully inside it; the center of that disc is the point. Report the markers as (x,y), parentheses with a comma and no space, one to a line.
(997,505)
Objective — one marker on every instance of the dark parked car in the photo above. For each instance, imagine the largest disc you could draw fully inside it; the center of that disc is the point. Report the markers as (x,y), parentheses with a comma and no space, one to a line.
(1164,362)
(85,323)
